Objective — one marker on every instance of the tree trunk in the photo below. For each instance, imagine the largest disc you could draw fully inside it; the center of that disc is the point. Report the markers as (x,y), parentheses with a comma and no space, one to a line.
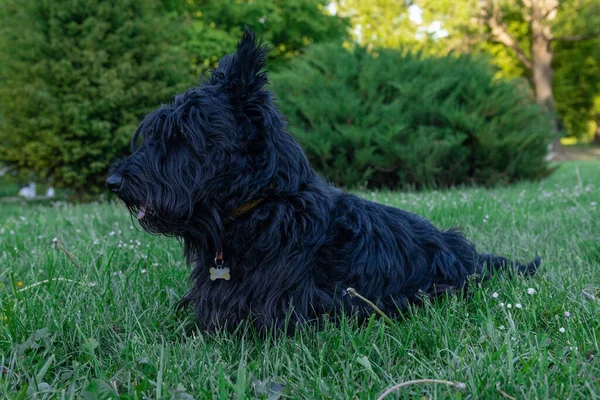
(542,73)
(541,54)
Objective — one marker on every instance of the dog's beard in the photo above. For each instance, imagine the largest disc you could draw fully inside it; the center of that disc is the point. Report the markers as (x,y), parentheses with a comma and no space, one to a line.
(154,221)
(145,214)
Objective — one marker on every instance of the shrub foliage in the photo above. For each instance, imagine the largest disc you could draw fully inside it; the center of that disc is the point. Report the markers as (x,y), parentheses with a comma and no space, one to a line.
(76,79)
(213,27)
(399,119)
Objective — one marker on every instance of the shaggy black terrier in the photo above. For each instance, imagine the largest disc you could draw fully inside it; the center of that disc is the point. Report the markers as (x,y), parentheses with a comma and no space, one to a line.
(269,240)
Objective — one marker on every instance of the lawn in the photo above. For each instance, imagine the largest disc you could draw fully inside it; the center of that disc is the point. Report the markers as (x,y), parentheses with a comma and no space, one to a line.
(105,323)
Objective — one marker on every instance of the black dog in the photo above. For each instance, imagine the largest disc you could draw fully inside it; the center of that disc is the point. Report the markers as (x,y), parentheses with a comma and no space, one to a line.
(268,238)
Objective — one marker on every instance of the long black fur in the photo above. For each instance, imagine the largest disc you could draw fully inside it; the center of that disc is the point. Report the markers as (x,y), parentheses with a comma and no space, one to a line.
(223,144)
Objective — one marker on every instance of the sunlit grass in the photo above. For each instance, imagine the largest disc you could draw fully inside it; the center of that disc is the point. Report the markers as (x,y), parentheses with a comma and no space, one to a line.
(107,322)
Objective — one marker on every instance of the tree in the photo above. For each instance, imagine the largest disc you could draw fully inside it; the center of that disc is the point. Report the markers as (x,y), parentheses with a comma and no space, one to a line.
(524,37)
(531,30)
(540,16)
(378,23)
(213,27)
(576,85)
(76,80)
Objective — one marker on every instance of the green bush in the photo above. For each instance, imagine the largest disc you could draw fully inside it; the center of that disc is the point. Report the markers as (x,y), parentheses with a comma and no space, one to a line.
(77,77)
(398,119)
(213,27)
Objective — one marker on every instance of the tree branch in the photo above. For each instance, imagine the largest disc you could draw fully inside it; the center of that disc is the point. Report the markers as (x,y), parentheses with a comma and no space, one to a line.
(527,7)
(502,35)
(577,38)
(550,11)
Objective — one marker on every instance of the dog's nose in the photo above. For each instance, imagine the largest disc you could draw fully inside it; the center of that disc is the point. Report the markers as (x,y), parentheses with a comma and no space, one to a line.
(114,182)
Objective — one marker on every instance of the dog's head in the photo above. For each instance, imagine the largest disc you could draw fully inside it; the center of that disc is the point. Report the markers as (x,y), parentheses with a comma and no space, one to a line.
(215,147)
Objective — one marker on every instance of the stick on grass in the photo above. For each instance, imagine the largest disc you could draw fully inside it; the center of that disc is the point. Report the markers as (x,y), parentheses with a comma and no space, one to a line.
(390,390)
(90,284)
(60,246)
(352,292)
(590,296)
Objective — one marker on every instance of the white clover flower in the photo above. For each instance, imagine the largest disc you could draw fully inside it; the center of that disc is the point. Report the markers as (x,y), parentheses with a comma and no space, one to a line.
(501,327)
(112,233)
(518,305)
(144,271)
(501,304)
(495,295)
(531,291)
(54,240)
(562,330)
(567,314)
(509,305)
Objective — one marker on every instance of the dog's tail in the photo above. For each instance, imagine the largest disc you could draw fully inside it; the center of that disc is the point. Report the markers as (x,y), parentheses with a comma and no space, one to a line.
(489,265)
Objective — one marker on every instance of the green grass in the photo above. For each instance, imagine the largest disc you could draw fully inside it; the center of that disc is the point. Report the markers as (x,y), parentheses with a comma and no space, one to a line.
(111,326)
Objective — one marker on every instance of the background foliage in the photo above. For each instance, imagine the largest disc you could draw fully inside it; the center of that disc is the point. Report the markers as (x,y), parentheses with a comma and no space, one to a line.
(444,26)
(213,27)
(402,119)
(78,76)
(76,81)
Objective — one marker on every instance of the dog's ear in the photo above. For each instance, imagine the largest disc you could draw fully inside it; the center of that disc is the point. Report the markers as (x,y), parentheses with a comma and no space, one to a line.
(242,73)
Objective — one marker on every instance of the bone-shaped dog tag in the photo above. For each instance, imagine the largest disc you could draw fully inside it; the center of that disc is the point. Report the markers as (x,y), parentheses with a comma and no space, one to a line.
(219,273)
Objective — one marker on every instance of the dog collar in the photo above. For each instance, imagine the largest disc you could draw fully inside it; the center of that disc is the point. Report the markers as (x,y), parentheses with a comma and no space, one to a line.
(243,209)
(219,271)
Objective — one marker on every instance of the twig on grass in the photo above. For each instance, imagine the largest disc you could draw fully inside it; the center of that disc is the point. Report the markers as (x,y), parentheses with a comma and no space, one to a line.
(390,390)
(506,395)
(90,284)
(353,293)
(60,246)
(590,296)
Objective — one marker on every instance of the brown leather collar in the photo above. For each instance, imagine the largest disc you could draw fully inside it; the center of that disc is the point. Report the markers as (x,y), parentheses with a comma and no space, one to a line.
(244,208)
